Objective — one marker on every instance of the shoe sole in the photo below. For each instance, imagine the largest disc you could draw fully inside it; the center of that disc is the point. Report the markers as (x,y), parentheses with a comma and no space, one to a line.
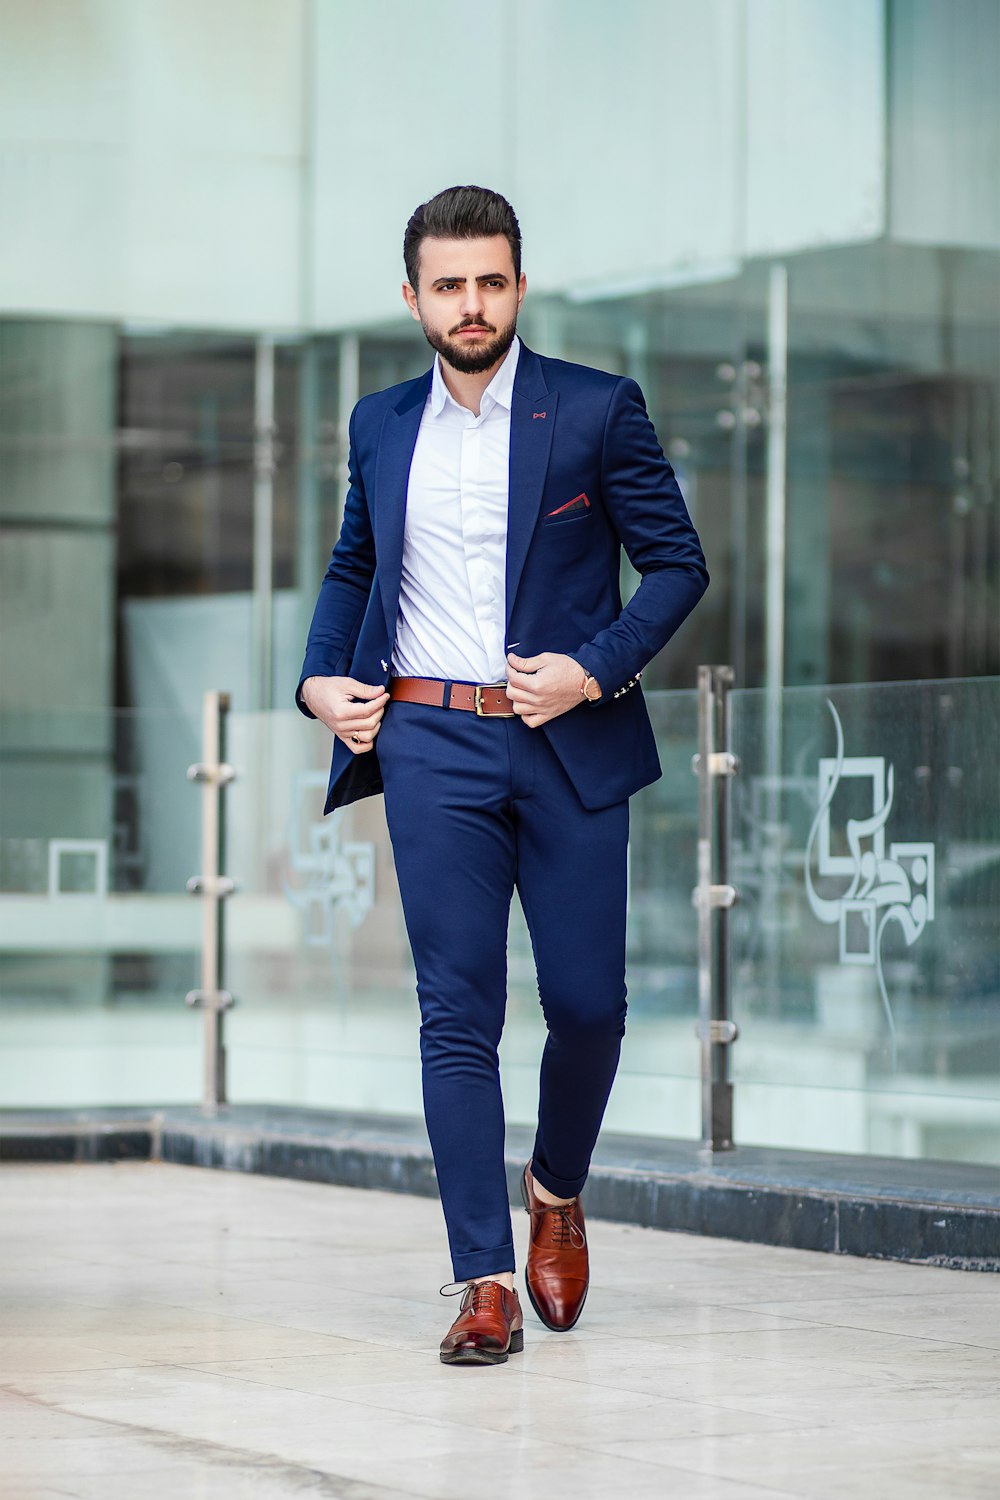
(485,1356)
(553,1327)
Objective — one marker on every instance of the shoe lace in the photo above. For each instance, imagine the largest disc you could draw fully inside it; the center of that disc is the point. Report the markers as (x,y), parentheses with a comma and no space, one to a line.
(479,1296)
(563,1229)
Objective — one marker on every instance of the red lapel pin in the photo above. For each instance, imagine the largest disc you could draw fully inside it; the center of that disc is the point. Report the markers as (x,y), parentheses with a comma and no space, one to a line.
(539,414)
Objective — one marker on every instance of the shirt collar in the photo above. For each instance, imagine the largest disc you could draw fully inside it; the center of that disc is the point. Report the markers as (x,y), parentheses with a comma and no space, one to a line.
(499,392)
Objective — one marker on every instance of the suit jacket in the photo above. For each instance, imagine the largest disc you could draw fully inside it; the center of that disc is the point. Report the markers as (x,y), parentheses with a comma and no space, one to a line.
(575,432)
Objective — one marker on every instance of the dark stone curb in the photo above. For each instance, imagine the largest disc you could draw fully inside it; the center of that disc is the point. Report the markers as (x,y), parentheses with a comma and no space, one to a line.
(931,1213)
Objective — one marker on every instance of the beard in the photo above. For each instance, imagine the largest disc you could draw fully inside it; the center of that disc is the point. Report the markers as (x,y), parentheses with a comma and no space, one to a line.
(471,359)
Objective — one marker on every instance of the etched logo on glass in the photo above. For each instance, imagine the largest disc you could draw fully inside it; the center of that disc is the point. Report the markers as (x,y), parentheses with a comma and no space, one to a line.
(882,889)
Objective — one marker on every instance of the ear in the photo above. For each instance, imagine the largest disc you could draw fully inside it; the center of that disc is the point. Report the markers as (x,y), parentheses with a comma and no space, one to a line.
(410,298)
(522,287)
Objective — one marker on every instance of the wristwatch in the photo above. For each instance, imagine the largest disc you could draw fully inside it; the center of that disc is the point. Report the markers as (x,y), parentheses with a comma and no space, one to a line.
(590,687)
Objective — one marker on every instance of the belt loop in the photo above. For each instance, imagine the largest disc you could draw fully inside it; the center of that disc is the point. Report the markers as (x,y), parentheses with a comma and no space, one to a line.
(446,696)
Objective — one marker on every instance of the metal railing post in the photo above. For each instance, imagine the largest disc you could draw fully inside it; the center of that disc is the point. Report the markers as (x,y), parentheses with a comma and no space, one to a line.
(213,886)
(713,897)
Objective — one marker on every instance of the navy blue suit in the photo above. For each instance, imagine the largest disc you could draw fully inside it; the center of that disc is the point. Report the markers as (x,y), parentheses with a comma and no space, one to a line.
(477,807)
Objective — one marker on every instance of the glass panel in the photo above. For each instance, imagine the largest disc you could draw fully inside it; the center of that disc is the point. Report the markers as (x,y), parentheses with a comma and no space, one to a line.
(326,1011)
(319,961)
(99,831)
(867,940)
(893,374)
(656,1089)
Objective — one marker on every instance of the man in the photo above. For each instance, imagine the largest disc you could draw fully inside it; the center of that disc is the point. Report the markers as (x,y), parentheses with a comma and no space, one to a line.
(470,622)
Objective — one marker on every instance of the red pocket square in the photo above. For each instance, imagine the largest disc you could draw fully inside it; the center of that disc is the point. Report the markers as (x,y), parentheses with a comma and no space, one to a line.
(579,502)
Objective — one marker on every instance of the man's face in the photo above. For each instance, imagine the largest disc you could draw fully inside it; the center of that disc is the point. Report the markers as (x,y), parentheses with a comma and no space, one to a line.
(467,300)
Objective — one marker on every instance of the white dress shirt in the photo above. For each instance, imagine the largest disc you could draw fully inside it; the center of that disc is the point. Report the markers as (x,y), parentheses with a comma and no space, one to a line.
(452,600)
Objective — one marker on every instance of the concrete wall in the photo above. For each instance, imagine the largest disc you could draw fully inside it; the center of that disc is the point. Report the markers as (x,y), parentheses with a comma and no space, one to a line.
(252,162)
(944,122)
(151,159)
(657,140)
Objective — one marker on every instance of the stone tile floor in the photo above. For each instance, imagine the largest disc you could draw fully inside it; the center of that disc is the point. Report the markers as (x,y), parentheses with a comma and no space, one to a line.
(202,1335)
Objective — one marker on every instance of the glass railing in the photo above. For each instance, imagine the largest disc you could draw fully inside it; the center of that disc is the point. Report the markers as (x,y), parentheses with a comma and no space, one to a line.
(866,942)
(326,1012)
(98,940)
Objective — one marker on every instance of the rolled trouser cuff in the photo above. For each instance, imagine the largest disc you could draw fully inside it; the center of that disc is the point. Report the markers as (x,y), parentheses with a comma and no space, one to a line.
(484,1262)
(560,1187)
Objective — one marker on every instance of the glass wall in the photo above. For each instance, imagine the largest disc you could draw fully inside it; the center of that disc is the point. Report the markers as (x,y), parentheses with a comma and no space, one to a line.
(866,973)
(891,464)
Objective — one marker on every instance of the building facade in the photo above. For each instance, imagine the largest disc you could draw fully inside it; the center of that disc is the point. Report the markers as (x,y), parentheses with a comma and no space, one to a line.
(781,217)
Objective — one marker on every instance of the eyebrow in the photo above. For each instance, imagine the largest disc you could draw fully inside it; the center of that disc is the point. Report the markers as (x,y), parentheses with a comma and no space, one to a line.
(487,276)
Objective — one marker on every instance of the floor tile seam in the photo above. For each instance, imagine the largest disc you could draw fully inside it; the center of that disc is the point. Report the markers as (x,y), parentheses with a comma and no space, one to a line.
(522,1374)
(901,1301)
(369,1348)
(800,1325)
(773,1365)
(675,1468)
(798,1427)
(447,1426)
(219,1453)
(873,1463)
(712,1333)
(922,1338)
(792,1427)
(403,1303)
(815,1325)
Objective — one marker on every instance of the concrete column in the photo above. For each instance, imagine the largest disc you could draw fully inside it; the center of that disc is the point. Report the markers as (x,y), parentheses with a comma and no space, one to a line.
(57,587)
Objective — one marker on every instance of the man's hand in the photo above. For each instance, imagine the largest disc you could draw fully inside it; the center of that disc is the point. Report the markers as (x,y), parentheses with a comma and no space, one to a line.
(332,699)
(542,687)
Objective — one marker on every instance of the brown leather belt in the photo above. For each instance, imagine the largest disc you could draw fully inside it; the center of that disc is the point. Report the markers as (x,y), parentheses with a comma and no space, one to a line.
(487,699)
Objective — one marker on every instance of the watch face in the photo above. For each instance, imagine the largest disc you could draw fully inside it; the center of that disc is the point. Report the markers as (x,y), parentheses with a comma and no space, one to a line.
(592,689)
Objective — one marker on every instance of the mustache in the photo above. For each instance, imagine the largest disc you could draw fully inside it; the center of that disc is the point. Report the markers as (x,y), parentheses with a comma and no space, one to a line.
(473,323)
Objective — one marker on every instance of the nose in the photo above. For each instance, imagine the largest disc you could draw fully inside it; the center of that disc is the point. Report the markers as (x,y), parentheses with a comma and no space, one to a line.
(473,304)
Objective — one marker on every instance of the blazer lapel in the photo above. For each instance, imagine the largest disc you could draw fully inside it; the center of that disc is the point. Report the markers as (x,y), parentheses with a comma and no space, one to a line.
(532,421)
(397,441)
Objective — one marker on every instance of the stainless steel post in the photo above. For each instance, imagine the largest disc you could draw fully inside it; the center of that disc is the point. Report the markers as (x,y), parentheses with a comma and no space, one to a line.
(713,897)
(212,885)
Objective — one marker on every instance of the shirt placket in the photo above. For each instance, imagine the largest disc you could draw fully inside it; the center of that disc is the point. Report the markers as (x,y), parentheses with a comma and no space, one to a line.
(474,531)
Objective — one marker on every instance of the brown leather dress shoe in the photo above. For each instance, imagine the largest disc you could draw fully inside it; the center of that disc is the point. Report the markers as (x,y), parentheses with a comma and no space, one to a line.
(557,1273)
(489,1326)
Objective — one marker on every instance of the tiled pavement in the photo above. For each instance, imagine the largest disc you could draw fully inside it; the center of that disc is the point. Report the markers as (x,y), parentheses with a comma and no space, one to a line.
(201,1335)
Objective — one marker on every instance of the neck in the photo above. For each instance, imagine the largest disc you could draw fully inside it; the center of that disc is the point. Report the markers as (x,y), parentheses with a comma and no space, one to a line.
(467,389)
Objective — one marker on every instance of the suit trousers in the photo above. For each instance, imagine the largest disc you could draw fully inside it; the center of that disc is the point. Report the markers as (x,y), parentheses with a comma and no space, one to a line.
(476,807)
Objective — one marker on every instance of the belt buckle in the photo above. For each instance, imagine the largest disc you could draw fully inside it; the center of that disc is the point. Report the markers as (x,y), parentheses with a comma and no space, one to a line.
(478,702)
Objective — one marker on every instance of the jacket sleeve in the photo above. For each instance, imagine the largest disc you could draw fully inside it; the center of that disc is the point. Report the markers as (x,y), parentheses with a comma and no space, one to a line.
(345,589)
(647,509)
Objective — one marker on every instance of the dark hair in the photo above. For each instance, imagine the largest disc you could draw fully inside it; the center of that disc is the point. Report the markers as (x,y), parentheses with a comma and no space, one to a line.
(461,213)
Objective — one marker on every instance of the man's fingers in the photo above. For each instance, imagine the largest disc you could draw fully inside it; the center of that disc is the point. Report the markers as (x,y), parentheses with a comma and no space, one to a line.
(527,663)
(356,716)
(363,689)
